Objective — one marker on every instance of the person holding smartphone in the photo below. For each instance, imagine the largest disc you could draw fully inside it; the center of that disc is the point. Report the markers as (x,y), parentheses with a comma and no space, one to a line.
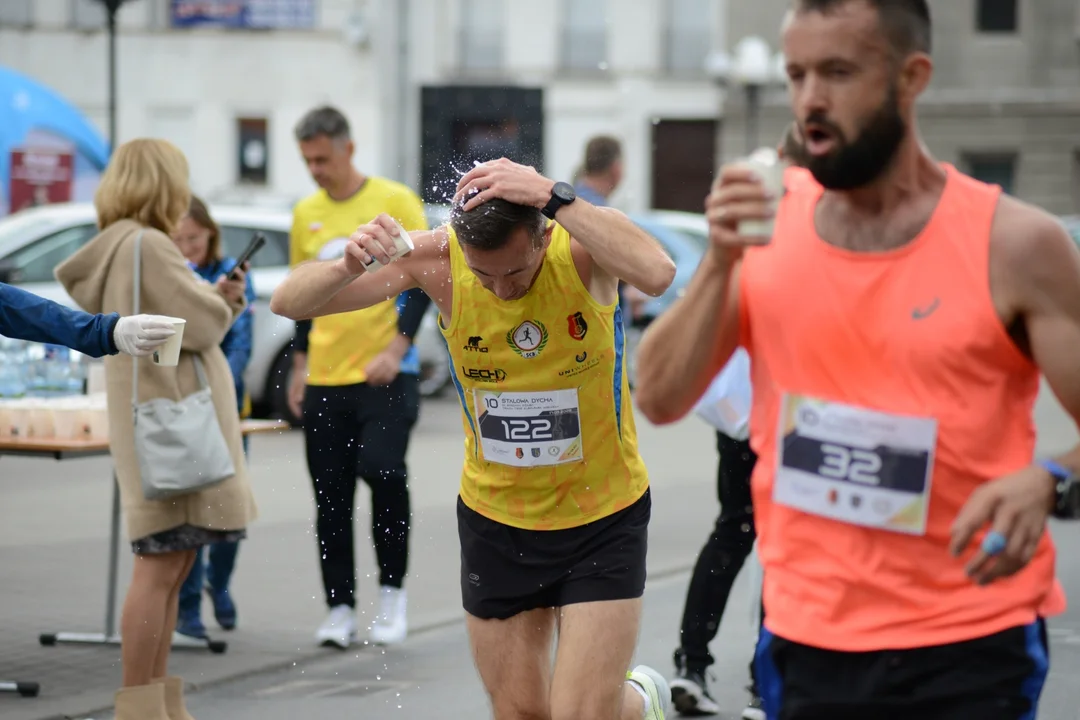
(199,240)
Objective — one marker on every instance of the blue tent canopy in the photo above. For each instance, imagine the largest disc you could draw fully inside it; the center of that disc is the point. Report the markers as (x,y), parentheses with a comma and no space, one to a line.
(27,105)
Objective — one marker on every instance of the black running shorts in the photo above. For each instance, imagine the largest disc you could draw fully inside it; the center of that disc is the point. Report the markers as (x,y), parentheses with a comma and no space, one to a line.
(506,570)
(997,677)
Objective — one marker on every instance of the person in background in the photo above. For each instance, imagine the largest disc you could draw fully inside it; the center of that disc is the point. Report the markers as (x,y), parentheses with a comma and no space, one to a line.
(601,172)
(199,240)
(26,316)
(722,557)
(142,196)
(356,383)
(596,181)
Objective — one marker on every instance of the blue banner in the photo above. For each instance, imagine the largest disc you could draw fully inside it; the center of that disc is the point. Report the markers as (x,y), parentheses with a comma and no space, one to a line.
(244,14)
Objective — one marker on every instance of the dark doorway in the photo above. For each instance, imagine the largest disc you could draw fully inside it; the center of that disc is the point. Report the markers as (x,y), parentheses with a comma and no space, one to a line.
(683,155)
(466,124)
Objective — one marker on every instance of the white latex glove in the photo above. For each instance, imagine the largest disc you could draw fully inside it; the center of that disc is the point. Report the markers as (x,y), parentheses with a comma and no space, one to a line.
(140,335)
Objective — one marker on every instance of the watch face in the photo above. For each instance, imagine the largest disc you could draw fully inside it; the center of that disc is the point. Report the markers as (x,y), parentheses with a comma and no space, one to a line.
(564,192)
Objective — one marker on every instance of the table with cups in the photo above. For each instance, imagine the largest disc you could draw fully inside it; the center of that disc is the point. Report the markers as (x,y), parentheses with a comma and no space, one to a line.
(64,428)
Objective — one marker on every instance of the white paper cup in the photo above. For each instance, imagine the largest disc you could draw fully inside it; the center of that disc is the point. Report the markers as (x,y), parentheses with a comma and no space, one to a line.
(403,245)
(767,165)
(169,354)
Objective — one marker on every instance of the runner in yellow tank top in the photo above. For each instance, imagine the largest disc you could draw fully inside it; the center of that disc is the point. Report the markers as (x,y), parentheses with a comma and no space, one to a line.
(549,430)
(554,505)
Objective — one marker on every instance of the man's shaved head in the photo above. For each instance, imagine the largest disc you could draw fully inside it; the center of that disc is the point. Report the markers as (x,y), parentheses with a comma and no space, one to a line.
(906,23)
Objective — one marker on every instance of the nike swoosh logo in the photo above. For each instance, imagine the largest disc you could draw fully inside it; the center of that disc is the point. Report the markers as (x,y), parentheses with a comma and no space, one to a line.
(922,313)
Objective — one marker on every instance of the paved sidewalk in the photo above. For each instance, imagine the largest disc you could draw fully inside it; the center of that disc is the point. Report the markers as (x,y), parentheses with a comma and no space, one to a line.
(53,530)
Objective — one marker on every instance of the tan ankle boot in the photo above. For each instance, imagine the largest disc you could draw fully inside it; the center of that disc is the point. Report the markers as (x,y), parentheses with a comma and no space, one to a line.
(142,702)
(174,698)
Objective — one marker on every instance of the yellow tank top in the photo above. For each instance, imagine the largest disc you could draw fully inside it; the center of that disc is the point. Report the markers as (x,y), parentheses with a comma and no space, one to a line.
(549,426)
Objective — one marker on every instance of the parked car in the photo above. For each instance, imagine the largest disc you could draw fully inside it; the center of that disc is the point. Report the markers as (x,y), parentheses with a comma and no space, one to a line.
(34,241)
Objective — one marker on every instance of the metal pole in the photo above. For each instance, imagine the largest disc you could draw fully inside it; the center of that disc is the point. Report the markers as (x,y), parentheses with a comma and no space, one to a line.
(114,560)
(753,116)
(111,9)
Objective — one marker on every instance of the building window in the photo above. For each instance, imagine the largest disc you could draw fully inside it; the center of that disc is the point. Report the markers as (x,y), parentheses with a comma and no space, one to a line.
(88,15)
(993,168)
(253,161)
(482,33)
(16,13)
(584,35)
(996,16)
(689,39)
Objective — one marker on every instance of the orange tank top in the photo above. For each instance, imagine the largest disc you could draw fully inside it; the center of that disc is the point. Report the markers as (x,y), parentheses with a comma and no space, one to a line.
(886,390)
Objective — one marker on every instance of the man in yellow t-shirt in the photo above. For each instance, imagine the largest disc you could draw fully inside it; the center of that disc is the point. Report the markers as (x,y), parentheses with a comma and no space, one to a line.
(356,384)
(554,504)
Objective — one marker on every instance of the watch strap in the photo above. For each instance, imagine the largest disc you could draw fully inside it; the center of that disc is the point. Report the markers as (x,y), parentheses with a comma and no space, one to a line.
(1059,471)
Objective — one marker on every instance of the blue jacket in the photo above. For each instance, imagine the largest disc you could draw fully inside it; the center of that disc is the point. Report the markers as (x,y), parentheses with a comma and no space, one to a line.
(238,341)
(26,316)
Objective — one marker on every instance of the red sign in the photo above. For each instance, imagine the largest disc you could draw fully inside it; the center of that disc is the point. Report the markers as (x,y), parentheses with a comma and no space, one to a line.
(40,177)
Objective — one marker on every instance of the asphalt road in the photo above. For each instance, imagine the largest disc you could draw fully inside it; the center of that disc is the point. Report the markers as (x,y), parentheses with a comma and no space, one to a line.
(272,670)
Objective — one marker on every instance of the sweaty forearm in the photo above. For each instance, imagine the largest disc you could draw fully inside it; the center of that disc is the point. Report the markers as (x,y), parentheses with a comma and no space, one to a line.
(620,247)
(684,348)
(308,288)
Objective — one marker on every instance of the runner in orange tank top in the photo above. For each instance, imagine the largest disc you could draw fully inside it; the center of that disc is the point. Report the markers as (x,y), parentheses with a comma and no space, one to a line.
(898,320)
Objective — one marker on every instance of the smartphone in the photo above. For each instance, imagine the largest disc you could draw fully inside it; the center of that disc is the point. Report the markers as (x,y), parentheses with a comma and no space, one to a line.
(257,241)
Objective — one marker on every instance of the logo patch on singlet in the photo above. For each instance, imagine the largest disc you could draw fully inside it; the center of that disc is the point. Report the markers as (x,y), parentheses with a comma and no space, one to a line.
(577,326)
(528,338)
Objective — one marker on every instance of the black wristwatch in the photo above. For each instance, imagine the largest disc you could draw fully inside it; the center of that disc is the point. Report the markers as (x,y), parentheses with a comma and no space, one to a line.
(1066,490)
(562,194)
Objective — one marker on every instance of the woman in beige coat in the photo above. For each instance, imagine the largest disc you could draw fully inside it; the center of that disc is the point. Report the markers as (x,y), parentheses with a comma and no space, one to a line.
(145,188)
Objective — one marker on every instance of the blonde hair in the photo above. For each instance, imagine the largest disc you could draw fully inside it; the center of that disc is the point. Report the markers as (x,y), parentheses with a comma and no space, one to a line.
(146,181)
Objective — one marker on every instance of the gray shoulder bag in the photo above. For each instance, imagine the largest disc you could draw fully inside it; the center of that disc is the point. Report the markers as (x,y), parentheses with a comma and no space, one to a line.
(179,445)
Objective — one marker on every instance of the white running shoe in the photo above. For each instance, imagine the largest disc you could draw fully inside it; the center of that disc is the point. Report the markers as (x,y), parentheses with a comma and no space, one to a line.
(338,629)
(390,626)
(656,687)
(690,695)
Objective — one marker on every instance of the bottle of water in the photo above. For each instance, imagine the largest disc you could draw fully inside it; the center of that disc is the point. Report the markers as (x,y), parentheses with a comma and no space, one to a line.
(35,369)
(12,366)
(77,374)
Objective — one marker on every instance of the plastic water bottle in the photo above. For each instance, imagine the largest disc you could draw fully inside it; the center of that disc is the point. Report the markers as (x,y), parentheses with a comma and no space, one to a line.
(12,362)
(77,374)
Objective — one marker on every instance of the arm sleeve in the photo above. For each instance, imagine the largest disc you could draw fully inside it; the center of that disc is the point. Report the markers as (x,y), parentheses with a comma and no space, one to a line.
(238,341)
(412,304)
(300,341)
(25,316)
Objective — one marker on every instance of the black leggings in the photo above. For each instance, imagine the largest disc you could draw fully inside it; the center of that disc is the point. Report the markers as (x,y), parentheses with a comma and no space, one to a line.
(360,430)
(722,557)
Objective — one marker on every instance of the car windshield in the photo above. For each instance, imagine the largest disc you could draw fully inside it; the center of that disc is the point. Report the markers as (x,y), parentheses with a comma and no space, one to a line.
(26,225)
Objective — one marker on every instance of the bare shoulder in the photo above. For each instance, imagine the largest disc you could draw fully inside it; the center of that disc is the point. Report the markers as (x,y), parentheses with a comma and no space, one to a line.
(1031,253)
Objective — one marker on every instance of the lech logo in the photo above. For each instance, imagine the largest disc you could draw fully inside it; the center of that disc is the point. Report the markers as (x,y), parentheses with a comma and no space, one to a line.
(528,338)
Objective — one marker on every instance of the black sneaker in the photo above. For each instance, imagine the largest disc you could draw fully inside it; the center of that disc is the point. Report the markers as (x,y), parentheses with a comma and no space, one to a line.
(690,694)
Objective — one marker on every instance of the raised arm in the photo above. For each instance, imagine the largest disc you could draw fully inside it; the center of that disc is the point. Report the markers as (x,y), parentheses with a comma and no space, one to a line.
(618,248)
(685,347)
(315,289)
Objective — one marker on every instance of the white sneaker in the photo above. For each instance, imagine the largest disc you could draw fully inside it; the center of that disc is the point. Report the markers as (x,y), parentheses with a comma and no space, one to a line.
(390,626)
(338,629)
(655,687)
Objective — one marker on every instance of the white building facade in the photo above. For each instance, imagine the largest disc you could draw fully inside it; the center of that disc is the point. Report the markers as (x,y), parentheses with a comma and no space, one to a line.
(631,68)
